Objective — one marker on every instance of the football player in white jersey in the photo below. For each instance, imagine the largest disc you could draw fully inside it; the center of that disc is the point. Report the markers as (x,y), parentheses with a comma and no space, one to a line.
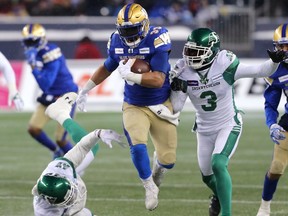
(60,191)
(8,72)
(207,75)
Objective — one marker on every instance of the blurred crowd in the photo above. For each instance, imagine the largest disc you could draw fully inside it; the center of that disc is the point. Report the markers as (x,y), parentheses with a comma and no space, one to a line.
(173,11)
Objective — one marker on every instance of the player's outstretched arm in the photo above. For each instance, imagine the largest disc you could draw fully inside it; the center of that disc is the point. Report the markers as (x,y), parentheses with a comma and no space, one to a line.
(79,151)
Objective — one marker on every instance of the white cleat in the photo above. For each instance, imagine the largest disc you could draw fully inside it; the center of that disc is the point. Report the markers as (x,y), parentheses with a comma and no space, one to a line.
(151,194)
(157,171)
(61,108)
(263,212)
(264,209)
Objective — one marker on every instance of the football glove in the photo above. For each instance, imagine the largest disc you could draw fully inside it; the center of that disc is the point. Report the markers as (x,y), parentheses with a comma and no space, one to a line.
(124,70)
(276,133)
(81,101)
(17,100)
(278,55)
(109,136)
(176,71)
(30,55)
(179,85)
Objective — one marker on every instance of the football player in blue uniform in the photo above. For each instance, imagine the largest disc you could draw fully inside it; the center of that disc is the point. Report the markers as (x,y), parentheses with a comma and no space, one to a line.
(277,83)
(147,109)
(54,79)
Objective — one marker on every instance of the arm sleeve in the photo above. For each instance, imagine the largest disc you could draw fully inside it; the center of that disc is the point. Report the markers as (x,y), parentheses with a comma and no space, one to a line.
(80,150)
(46,77)
(8,72)
(265,69)
(272,97)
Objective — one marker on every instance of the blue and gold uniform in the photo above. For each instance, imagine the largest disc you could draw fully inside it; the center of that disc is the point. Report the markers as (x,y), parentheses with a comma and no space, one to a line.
(147,109)
(154,49)
(54,79)
(276,85)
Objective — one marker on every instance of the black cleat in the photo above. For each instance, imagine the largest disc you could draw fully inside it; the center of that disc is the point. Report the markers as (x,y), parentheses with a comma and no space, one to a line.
(214,207)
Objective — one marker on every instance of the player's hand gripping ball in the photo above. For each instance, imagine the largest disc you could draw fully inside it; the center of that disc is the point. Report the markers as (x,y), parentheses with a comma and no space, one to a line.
(140,66)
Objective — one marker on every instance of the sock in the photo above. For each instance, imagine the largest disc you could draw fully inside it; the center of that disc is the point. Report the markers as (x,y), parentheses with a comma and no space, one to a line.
(45,141)
(210,181)
(269,188)
(66,147)
(74,129)
(141,160)
(223,182)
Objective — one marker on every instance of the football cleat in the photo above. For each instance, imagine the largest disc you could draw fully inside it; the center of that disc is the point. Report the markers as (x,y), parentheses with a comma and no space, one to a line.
(61,108)
(157,171)
(264,209)
(263,212)
(214,207)
(151,194)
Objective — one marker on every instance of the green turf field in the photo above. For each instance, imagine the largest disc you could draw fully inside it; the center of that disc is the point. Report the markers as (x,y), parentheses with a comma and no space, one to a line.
(113,186)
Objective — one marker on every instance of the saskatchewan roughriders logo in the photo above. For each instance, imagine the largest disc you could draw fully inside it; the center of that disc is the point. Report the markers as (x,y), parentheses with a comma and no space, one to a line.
(213,37)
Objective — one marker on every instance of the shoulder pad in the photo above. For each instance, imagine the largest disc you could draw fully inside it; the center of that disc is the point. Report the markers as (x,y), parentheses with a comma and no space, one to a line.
(226,57)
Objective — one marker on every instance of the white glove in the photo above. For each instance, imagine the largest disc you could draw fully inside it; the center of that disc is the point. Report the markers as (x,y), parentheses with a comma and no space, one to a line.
(276,133)
(108,136)
(124,70)
(81,101)
(176,70)
(15,97)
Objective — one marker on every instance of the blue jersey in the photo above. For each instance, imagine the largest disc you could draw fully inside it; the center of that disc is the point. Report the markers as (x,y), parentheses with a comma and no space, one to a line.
(154,49)
(277,83)
(52,73)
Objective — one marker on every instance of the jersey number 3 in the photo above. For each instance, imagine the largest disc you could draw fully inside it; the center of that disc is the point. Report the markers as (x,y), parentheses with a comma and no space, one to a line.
(211,100)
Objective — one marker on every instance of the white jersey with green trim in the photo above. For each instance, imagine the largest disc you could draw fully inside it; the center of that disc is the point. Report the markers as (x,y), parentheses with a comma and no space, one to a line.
(212,92)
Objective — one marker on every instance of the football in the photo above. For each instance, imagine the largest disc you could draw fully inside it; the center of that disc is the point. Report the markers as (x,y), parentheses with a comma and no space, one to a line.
(140,66)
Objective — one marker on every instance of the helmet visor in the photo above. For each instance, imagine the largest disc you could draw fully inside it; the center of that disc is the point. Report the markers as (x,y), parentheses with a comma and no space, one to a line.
(31,42)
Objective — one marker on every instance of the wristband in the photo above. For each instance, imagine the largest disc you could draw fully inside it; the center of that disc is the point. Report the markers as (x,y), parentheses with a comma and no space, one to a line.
(133,77)
(88,86)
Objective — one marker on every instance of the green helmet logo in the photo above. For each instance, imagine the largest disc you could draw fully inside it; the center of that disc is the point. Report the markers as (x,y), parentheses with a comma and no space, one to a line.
(57,190)
(201,48)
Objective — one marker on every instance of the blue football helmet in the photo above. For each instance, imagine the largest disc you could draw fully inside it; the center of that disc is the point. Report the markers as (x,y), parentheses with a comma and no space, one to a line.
(132,24)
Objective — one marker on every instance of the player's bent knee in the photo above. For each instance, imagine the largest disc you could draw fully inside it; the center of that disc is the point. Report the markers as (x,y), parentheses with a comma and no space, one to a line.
(277,167)
(168,158)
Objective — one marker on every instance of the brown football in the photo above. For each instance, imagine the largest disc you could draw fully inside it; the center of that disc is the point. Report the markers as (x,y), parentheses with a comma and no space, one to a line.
(140,66)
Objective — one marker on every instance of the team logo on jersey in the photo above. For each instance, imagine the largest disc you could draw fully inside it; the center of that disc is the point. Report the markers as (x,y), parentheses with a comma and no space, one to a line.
(119,51)
(192,83)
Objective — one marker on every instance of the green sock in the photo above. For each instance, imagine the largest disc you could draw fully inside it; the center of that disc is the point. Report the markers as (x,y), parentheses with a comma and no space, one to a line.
(210,181)
(74,129)
(224,183)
